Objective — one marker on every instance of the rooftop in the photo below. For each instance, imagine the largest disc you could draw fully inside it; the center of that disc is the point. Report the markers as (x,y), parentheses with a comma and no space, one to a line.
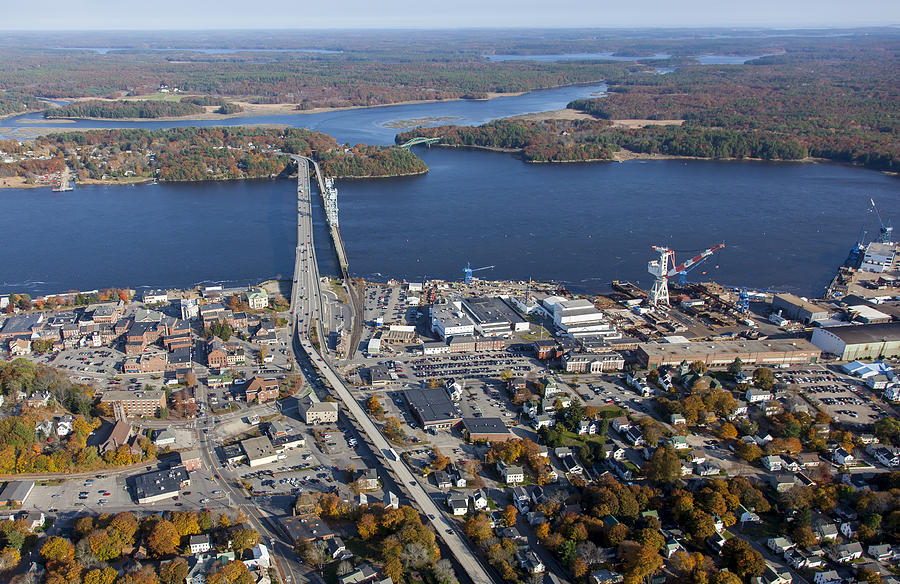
(431,405)
(159,482)
(485,426)
(867,333)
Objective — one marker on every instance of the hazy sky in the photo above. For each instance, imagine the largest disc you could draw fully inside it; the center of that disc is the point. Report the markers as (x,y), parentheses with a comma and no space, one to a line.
(234,14)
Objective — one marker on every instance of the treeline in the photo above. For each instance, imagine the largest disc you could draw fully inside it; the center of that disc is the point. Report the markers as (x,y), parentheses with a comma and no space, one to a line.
(124,109)
(194,154)
(585,140)
(12,102)
(358,79)
(224,107)
(845,109)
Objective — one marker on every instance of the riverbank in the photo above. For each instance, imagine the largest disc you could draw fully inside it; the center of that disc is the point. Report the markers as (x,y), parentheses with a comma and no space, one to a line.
(272,109)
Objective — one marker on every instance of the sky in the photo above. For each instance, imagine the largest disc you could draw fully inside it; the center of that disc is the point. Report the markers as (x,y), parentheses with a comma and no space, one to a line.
(286,14)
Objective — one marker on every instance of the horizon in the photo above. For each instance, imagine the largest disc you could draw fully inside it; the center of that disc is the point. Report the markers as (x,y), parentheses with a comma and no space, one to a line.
(225,15)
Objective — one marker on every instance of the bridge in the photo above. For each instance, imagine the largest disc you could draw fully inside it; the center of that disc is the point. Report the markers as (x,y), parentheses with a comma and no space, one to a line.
(306,308)
(421,140)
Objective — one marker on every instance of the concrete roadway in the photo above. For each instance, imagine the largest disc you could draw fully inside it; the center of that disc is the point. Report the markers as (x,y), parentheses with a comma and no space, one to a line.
(308,304)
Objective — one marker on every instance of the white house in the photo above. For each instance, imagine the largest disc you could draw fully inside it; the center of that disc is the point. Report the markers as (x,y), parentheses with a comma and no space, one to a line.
(479,500)
(888,456)
(511,474)
(199,544)
(841,456)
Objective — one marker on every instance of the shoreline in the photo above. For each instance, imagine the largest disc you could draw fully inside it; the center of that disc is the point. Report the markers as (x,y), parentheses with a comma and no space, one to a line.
(272,109)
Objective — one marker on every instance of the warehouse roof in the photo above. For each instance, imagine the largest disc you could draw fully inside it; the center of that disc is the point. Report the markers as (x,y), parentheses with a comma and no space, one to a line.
(867,333)
(159,482)
(485,426)
(16,491)
(432,405)
(491,310)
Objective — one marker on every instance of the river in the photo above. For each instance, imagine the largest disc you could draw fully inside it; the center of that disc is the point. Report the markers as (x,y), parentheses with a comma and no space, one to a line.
(786,225)
(375,125)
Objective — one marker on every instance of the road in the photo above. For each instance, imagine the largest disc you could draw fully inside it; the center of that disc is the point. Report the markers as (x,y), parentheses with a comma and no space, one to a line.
(306,303)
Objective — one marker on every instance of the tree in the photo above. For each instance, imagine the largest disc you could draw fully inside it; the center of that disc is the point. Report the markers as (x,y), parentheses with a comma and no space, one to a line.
(244,539)
(804,536)
(477,527)
(742,559)
(727,431)
(664,466)
(57,548)
(735,367)
(763,378)
(105,575)
(701,525)
(509,516)
(443,572)
(185,522)
(174,571)
(638,561)
(163,539)
(746,451)
(366,526)
(373,405)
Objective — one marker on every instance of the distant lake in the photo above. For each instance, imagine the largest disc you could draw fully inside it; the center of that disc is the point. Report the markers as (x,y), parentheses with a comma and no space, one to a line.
(702,59)
(787,226)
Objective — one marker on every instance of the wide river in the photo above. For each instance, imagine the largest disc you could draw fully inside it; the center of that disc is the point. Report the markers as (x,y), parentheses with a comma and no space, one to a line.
(786,225)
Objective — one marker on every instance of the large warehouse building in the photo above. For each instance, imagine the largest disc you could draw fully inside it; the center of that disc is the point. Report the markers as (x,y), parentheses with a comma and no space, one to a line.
(433,408)
(796,308)
(717,353)
(867,341)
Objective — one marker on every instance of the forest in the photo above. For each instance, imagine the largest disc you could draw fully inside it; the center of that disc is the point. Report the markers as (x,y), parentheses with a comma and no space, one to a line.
(194,154)
(124,109)
(587,140)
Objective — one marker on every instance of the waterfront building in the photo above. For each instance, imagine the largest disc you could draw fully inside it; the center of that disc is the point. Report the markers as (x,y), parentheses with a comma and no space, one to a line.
(718,353)
(867,341)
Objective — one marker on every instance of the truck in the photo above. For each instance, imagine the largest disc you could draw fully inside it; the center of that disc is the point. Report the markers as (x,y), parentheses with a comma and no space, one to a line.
(392,454)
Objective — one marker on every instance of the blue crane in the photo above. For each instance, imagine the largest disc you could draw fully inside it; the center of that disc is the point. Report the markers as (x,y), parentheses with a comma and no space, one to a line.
(468,270)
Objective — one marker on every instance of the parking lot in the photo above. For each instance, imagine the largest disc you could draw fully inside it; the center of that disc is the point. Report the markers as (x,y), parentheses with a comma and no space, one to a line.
(845,399)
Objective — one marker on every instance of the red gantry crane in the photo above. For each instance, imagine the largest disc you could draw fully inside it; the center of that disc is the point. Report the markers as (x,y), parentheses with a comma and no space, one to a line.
(659,294)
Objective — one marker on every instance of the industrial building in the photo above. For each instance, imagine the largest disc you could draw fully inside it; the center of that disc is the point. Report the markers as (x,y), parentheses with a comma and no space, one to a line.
(485,430)
(16,492)
(578,318)
(867,341)
(433,408)
(796,308)
(716,353)
(448,320)
(493,317)
(136,403)
(160,484)
(879,257)
(259,451)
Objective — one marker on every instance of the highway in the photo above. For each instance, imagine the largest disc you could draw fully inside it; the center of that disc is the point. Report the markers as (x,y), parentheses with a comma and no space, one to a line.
(306,303)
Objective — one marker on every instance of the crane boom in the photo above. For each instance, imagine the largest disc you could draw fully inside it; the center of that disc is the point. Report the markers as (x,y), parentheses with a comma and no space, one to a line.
(695,260)
(659,294)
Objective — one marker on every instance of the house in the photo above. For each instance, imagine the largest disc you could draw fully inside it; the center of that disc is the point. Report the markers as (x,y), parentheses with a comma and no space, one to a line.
(808,460)
(19,347)
(772,463)
(882,552)
(367,479)
(606,577)
(479,500)
(621,424)
(826,532)
(458,504)
(774,575)
(257,299)
(827,577)
(521,499)
(262,390)
(672,545)
(756,396)
(679,442)
(442,480)
(676,419)
(530,562)
(782,482)
(44,427)
(633,436)
(64,425)
(542,421)
(511,474)
(847,552)
(889,456)
(199,544)
(535,518)
(337,550)
(779,545)
(390,500)
(841,457)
